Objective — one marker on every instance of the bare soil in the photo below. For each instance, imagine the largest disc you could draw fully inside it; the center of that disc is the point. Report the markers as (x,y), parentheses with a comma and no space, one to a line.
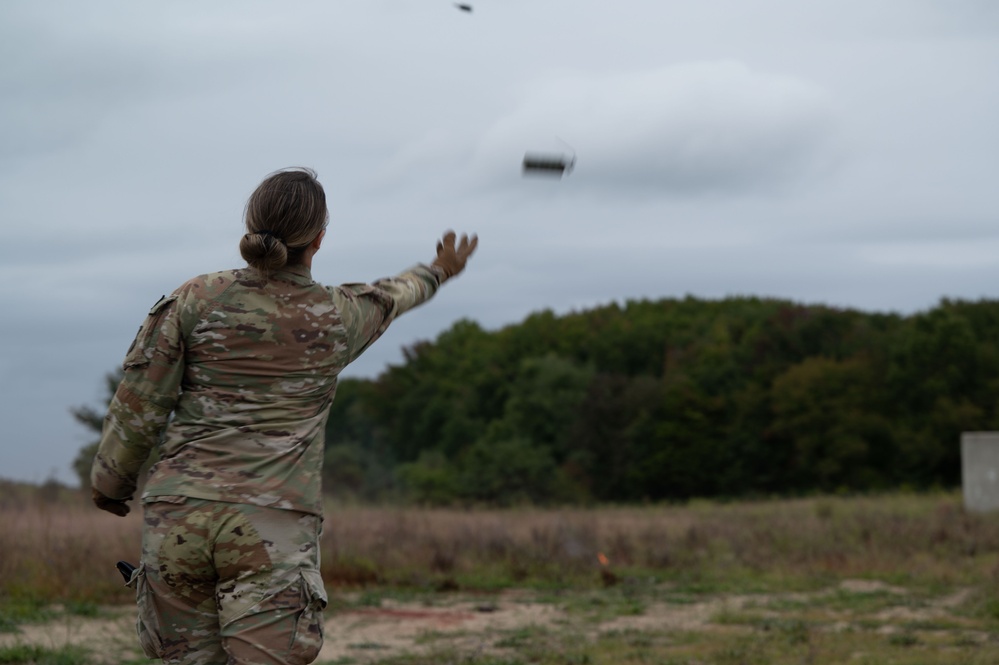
(469,625)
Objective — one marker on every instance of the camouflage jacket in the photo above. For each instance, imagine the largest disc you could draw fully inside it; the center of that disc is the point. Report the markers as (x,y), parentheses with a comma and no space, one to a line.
(232,377)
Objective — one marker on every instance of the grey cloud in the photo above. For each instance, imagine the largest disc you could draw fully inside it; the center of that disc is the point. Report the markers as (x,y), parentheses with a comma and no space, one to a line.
(60,99)
(62,78)
(706,127)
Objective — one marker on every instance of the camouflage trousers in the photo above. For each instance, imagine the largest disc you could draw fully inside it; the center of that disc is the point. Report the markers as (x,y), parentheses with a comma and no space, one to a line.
(229,583)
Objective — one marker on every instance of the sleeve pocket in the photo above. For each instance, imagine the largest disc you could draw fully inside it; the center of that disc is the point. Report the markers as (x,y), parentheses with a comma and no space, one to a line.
(140,352)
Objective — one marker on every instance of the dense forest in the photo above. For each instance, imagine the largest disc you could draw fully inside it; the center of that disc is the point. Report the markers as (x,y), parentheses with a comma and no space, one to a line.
(670,399)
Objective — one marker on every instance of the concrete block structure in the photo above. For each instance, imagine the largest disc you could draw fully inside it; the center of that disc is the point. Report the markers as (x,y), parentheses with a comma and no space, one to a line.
(980,471)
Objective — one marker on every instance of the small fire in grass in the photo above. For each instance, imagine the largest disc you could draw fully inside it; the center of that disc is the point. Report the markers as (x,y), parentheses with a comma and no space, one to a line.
(606,574)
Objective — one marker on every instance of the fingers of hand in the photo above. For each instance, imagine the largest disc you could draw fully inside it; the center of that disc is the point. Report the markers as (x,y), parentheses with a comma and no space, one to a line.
(452,258)
(467,245)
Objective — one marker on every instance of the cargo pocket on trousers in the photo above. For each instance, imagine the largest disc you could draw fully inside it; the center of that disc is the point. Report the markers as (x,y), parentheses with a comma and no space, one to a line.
(308,635)
(146,622)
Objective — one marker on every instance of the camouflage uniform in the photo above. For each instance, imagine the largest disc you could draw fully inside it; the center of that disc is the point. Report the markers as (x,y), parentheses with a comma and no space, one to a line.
(231,378)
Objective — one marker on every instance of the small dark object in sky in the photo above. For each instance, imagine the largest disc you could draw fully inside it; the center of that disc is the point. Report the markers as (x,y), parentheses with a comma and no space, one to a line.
(548,164)
(463,7)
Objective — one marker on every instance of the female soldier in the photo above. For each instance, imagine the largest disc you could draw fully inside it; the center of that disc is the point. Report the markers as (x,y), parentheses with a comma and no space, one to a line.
(231,377)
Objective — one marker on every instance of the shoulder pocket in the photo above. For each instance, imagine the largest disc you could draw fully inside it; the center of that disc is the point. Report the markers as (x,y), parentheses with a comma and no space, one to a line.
(141,350)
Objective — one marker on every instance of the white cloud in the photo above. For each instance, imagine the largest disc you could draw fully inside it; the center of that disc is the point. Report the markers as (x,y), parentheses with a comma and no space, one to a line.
(703,127)
(953,255)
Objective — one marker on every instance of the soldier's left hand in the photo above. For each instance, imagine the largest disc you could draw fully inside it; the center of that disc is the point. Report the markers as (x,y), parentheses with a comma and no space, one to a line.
(116,506)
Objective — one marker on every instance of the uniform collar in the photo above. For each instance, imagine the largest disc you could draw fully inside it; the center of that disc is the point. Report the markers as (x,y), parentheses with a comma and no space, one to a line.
(298,273)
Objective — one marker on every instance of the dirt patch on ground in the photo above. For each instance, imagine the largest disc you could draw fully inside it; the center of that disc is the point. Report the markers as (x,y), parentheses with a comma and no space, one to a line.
(397,628)
(469,626)
(361,634)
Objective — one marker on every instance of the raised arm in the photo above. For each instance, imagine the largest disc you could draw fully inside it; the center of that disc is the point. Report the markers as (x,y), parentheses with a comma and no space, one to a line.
(368,309)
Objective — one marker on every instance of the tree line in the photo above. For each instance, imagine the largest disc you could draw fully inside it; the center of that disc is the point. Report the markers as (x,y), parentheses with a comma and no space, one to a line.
(667,400)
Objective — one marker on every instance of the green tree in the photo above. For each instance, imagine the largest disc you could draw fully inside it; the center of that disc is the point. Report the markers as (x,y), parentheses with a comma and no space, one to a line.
(825,409)
(942,380)
(508,471)
(609,435)
(431,479)
(544,401)
(357,461)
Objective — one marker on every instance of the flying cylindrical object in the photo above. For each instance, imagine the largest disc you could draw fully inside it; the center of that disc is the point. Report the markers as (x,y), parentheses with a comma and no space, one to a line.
(548,163)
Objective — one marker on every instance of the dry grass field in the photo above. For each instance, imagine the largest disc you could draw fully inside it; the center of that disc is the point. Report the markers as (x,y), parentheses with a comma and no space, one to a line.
(905,578)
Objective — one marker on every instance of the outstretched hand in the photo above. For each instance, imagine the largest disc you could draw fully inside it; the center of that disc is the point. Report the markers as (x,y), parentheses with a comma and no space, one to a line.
(451,259)
(116,506)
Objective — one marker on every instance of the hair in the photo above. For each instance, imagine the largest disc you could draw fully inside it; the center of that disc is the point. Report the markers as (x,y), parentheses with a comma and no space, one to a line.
(285,213)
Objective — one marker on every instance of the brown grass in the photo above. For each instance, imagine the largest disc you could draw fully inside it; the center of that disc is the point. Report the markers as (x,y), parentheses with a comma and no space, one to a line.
(63,549)
(929,537)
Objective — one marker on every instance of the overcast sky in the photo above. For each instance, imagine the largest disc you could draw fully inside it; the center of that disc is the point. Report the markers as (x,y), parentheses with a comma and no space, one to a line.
(840,152)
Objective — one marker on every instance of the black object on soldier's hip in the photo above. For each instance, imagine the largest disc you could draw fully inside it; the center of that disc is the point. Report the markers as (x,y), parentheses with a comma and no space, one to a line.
(126,569)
